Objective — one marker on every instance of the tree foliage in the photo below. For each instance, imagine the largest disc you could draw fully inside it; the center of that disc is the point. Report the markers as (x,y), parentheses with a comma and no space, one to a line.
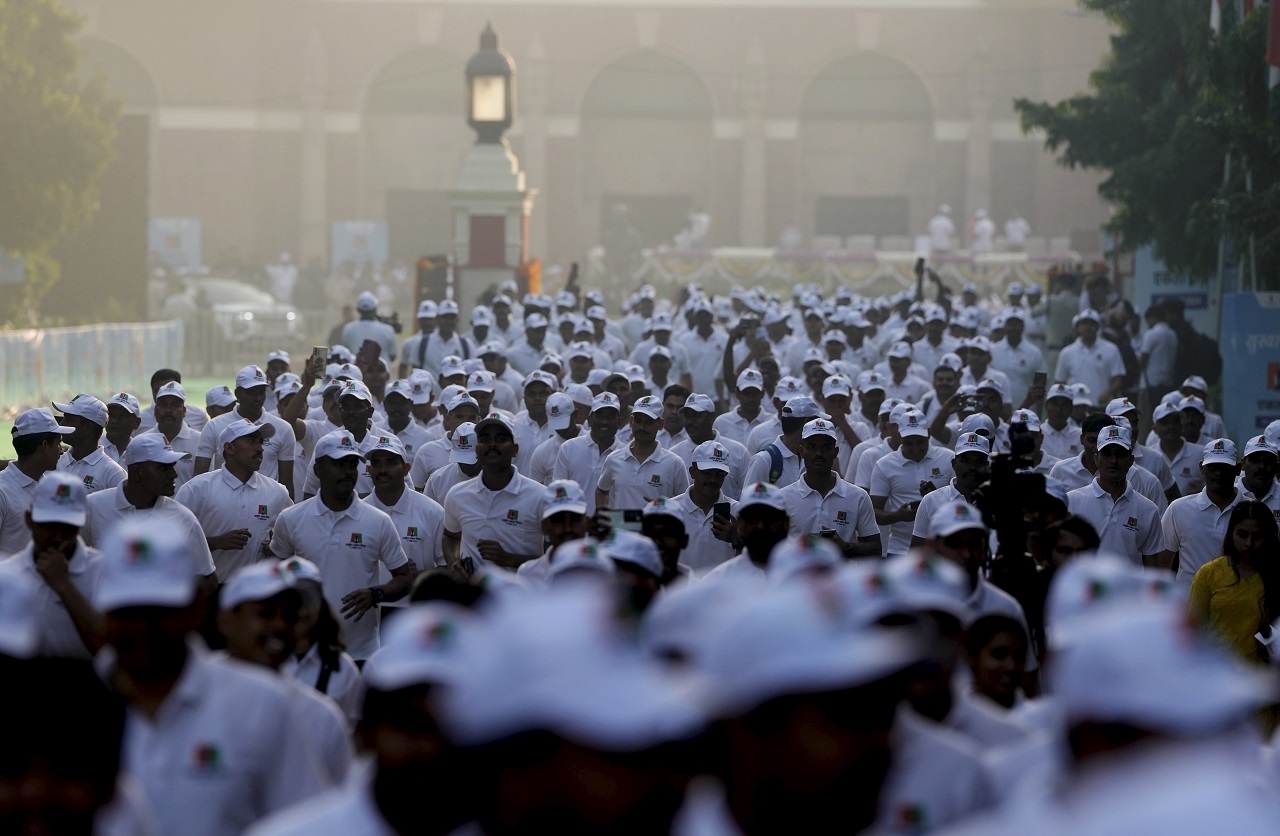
(1166,107)
(57,136)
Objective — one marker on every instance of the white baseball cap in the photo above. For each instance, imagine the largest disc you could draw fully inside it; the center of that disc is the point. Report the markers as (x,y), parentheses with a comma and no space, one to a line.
(1192,402)
(422,390)
(950,360)
(1115,435)
(802,406)
(972,443)
(648,405)
(1149,666)
(978,343)
(461,399)
(1082,396)
(699,403)
(338,444)
(535,320)
(870,381)
(922,582)
(1085,315)
(788,387)
(151,447)
(387,444)
(239,428)
(342,354)
(577,557)
(494,347)
(1163,411)
(1089,583)
(481,317)
(1220,451)
(1259,444)
(900,350)
(366,302)
(219,396)
(1120,406)
(38,422)
(979,423)
(912,424)
(605,400)
(278,354)
(579,394)
(144,564)
(764,495)
(800,555)
(302,569)
(820,426)
(59,498)
(451,366)
(560,409)
(837,384)
(86,406)
(955,516)
(447,307)
(250,377)
(579,350)
(462,444)
(1060,390)
(634,549)
(420,646)
(779,643)
(347,371)
(1026,416)
(564,495)
(129,402)
(1196,382)
(711,455)
(992,384)
(539,376)
(427,309)
(356,389)
(287,384)
(260,581)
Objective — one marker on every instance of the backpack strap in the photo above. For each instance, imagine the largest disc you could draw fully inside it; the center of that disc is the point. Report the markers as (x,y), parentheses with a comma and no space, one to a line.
(775,462)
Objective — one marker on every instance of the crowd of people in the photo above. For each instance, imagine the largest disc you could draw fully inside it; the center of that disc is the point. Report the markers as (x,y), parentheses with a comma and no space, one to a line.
(712,565)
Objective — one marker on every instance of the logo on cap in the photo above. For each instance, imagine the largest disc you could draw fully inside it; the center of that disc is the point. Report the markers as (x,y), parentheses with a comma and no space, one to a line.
(138,551)
(561,493)
(1218,446)
(207,757)
(63,492)
(345,441)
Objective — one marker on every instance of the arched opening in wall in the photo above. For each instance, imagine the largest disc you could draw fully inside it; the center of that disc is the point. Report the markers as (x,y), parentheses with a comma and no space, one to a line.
(646,146)
(415,137)
(107,258)
(866,149)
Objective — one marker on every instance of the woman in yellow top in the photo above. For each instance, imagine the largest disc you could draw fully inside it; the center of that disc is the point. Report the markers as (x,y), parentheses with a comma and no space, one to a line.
(1238,594)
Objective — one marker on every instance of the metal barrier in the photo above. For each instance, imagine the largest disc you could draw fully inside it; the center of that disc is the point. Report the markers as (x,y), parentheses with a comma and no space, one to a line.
(40,365)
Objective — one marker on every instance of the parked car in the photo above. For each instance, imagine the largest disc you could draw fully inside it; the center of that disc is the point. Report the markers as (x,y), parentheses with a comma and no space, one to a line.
(238,311)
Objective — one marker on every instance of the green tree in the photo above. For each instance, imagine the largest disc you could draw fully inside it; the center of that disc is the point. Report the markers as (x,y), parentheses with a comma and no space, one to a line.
(56,141)
(1167,106)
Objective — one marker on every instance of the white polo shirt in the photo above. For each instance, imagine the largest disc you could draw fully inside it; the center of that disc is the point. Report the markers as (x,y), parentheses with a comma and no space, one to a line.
(442,480)
(857,472)
(528,435)
(1019,364)
(350,809)
(420,523)
(16,490)
(108,508)
(97,470)
(898,479)
(186,441)
(911,389)
(1184,467)
(762,433)
(281,447)
(345,686)
(1129,527)
(846,510)
(511,516)
(1155,463)
(222,503)
(1195,528)
(734,570)
(761,466)
(632,483)
(413,436)
(430,457)
(1093,366)
(937,777)
(543,461)
(113,452)
(739,459)
(930,503)
(1271,499)
(581,460)
(56,631)
(364,479)
(732,425)
(704,551)
(348,546)
(224,750)
(196,418)
(1072,473)
(1061,444)
(706,359)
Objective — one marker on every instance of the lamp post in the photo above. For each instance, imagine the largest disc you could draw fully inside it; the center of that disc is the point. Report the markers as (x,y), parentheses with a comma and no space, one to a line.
(491,90)
(490,202)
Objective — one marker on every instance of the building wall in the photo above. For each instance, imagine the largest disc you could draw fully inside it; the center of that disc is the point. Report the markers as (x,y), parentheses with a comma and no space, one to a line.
(271,118)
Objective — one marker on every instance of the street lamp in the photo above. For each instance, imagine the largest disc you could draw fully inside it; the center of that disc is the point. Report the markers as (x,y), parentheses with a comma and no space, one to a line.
(491,90)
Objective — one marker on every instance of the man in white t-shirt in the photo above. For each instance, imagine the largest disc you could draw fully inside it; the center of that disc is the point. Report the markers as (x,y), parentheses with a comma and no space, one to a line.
(349,540)
(1127,522)
(822,503)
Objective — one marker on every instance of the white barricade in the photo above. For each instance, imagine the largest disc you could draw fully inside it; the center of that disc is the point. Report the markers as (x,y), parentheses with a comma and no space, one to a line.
(40,365)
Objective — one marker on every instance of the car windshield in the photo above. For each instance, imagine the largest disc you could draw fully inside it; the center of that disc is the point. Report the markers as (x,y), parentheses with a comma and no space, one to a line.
(232,292)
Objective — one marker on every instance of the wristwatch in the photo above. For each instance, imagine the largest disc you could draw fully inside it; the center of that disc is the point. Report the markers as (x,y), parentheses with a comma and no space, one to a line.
(378,594)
